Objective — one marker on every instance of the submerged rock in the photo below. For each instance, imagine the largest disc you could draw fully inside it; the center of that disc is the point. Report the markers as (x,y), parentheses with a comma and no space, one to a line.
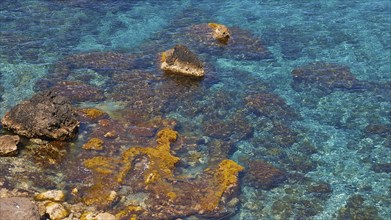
(325,76)
(271,106)
(180,60)
(45,115)
(78,91)
(166,195)
(263,175)
(8,145)
(18,208)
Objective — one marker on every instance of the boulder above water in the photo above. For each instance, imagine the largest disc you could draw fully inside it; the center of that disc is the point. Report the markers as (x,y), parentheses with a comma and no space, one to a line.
(8,145)
(220,32)
(45,115)
(18,208)
(180,60)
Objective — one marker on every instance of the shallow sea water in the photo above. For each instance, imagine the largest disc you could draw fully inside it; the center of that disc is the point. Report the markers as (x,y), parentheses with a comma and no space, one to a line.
(332,144)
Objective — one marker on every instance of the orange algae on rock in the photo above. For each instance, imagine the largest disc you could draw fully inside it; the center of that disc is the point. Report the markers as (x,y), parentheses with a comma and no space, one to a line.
(162,162)
(150,170)
(224,177)
(93,113)
(94,144)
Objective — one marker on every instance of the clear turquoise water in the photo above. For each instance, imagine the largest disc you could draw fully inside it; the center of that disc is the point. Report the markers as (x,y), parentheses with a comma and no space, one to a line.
(35,34)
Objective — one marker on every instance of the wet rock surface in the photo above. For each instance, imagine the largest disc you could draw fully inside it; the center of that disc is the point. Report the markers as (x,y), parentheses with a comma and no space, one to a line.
(18,208)
(8,145)
(180,60)
(45,115)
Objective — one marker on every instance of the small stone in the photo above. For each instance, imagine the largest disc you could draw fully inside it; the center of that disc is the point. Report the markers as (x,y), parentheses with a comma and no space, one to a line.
(8,145)
(56,211)
(105,216)
(53,195)
(18,208)
(93,144)
(180,60)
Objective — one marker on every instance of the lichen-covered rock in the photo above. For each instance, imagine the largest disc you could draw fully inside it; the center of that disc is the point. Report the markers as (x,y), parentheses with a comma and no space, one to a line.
(8,145)
(326,76)
(18,208)
(180,60)
(53,195)
(260,174)
(45,115)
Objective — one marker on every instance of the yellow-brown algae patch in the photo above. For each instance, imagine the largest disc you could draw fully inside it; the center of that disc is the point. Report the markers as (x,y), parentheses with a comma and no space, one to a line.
(93,144)
(225,176)
(93,113)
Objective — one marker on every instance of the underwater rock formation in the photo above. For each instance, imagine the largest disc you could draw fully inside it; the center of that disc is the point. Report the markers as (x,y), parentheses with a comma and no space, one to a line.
(45,115)
(8,145)
(78,91)
(150,171)
(18,208)
(260,174)
(271,106)
(234,42)
(355,208)
(180,60)
(324,76)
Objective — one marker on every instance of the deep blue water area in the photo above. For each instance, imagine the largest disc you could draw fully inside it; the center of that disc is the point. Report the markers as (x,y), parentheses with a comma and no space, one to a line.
(320,133)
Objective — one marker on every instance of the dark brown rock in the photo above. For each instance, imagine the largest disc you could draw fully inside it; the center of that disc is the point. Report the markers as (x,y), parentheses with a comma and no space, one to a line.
(323,75)
(260,174)
(45,115)
(180,60)
(18,208)
(8,145)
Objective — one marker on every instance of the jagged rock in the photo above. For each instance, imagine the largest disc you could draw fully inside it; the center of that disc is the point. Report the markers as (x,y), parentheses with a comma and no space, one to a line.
(18,208)
(180,60)
(45,115)
(8,145)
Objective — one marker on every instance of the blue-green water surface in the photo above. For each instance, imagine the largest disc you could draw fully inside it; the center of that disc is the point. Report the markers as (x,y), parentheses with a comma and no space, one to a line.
(345,154)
